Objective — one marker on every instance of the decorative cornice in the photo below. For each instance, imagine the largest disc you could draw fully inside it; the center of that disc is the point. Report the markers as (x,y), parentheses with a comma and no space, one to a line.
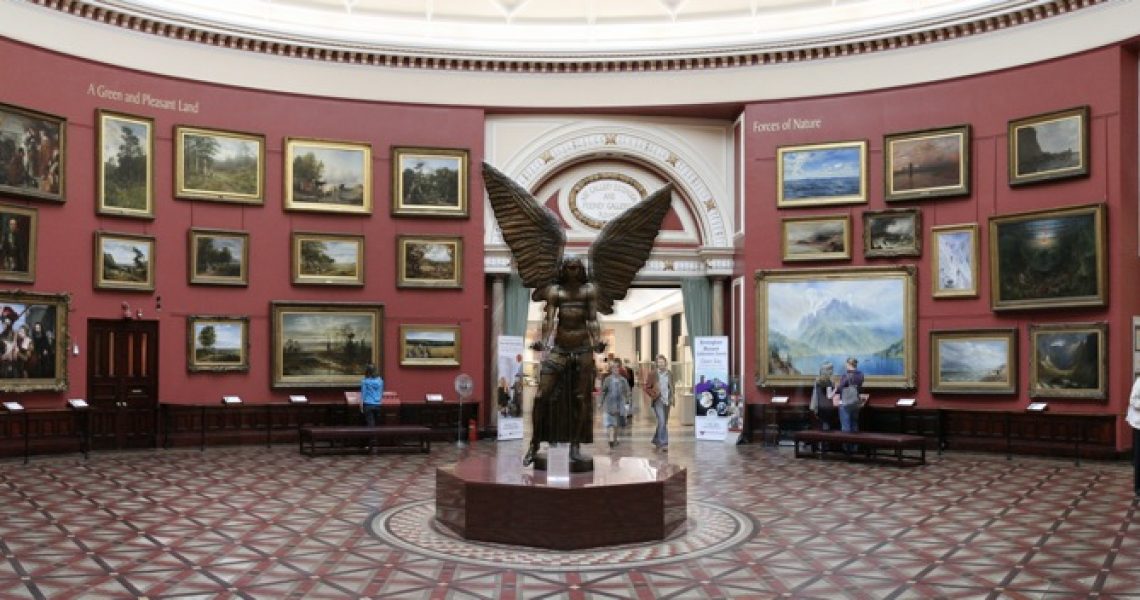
(442,59)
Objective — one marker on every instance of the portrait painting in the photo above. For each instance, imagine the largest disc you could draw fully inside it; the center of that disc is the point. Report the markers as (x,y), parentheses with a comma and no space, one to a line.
(954,261)
(1049,147)
(325,345)
(17,243)
(429,182)
(33,341)
(927,164)
(326,259)
(219,257)
(806,317)
(895,232)
(217,343)
(1067,360)
(32,153)
(817,174)
(429,345)
(328,176)
(1048,258)
(825,237)
(222,166)
(975,361)
(124,262)
(429,261)
(126,165)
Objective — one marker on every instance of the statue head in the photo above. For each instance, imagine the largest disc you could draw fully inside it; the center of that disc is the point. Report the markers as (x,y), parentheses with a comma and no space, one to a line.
(572,270)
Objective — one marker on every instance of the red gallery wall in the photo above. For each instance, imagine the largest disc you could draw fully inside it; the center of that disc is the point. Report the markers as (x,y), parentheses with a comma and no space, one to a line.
(51,83)
(1103,79)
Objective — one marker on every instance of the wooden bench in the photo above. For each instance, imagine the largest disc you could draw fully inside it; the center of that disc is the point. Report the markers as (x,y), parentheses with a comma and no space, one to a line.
(869,444)
(337,438)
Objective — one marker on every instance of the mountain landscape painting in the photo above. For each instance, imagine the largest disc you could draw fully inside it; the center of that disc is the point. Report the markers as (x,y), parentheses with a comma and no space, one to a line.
(833,315)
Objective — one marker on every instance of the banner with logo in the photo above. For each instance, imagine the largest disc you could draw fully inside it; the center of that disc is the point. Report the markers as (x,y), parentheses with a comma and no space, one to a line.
(710,387)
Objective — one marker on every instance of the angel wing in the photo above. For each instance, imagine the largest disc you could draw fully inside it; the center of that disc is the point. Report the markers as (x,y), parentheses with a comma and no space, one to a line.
(624,245)
(532,232)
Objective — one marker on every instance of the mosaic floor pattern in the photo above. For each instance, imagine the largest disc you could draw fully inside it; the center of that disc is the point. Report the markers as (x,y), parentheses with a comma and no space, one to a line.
(268,523)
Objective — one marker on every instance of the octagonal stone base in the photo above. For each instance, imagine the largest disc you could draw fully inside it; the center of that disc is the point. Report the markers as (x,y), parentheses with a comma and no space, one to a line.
(623,500)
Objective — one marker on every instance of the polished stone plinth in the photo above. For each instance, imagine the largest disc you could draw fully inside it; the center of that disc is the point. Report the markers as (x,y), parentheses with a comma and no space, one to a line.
(623,500)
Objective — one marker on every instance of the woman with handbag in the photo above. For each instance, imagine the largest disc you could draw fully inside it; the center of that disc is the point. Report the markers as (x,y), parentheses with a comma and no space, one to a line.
(847,396)
(615,394)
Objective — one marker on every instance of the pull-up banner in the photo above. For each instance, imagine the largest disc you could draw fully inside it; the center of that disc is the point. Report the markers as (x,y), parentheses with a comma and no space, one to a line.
(710,390)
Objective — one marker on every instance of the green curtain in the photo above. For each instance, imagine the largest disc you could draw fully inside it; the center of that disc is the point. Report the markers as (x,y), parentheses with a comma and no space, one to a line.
(516,300)
(696,293)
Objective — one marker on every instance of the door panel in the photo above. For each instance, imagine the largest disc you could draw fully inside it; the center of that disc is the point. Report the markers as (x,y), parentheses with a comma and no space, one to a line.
(122,382)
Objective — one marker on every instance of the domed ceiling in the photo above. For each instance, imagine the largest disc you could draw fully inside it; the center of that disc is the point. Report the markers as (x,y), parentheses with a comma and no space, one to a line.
(553,30)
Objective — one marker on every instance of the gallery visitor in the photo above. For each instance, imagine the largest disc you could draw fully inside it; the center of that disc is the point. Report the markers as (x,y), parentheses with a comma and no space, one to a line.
(371,391)
(615,396)
(659,389)
(1134,421)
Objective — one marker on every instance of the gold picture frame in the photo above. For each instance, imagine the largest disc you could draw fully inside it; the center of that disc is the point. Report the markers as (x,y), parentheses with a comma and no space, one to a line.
(327,259)
(1069,242)
(39,321)
(933,163)
(819,237)
(217,343)
(429,261)
(18,229)
(821,174)
(429,182)
(219,165)
(1068,360)
(124,261)
(1049,146)
(125,167)
(892,232)
(430,345)
(218,257)
(307,163)
(44,176)
(324,345)
(954,261)
(973,361)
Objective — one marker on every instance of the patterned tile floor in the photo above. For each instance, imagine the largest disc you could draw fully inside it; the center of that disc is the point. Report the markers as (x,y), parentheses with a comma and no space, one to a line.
(267,523)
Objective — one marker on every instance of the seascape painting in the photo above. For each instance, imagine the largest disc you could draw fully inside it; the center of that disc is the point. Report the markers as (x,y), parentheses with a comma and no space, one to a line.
(219,165)
(822,174)
(973,361)
(817,238)
(324,345)
(927,164)
(892,233)
(955,261)
(1048,147)
(809,317)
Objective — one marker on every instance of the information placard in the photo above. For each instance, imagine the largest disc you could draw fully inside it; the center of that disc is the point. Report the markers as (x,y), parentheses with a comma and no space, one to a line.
(510,428)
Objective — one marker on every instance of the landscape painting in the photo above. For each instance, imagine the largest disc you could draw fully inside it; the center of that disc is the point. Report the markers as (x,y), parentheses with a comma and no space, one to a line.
(806,317)
(126,165)
(217,343)
(1068,361)
(34,341)
(325,259)
(222,166)
(219,257)
(32,153)
(326,176)
(981,361)
(325,345)
(429,345)
(892,233)
(429,182)
(429,261)
(927,164)
(834,173)
(124,262)
(824,237)
(1049,146)
(955,261)
(1048,258)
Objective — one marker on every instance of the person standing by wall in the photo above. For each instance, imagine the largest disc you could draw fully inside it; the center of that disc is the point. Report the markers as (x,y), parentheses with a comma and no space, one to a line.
(847,396)
(615,394)
(1134,420)
(659,388)
(371,391)
(821,396)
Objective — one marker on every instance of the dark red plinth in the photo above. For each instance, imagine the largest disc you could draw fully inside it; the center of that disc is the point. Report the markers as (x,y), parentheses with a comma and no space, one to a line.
(624,500)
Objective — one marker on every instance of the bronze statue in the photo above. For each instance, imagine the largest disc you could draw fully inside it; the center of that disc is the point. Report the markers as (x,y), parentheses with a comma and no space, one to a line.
(563,407)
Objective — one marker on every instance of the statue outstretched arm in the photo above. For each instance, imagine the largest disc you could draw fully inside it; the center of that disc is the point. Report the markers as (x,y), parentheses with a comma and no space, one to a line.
(592,326)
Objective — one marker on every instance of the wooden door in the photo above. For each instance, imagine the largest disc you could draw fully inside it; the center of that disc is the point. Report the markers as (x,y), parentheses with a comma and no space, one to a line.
(122,382)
